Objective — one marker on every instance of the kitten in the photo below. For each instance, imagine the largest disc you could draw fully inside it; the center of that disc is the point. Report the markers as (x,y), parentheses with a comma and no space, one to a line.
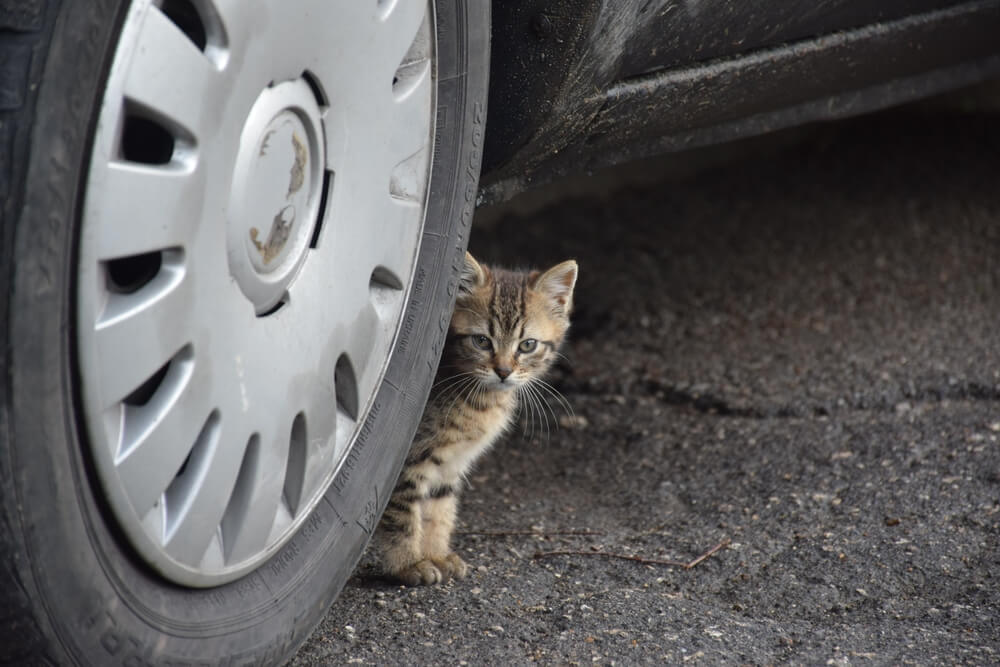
(505,333)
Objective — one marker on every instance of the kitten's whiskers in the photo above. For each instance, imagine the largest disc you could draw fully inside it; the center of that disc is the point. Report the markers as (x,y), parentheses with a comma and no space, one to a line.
(557,395)
(453,377)
(456,394)
(562,402)
(472,386)
(450,390)
(524,403)
(560,355)
(540,406)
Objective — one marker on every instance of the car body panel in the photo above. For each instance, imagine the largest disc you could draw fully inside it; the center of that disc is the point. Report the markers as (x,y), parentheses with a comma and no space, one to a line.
(560,102)
(674,33)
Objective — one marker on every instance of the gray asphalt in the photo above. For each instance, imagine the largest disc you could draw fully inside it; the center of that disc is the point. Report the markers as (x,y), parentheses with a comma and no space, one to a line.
(797,353)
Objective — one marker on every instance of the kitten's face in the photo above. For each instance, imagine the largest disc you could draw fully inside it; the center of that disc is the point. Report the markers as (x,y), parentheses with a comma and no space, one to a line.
(508,326)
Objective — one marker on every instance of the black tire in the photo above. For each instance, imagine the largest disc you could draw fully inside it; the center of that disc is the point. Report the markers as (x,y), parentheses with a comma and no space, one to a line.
(71,589)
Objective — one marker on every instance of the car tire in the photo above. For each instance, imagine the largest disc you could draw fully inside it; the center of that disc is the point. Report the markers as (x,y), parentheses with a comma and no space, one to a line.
(73,586)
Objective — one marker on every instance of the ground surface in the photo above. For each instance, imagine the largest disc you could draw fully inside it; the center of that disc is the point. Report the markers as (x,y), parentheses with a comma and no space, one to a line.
(799,353)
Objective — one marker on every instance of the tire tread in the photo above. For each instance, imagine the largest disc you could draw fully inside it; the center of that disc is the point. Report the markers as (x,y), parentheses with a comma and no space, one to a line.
(24,27)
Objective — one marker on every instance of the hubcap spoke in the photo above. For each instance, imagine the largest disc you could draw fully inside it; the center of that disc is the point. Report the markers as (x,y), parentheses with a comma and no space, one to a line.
(155,209)
(398,220)
(414,94)
(156,442)
(140,332)
(399,31)
(250,515)
(237,19)
(360,352)
(345,430)
(321,418)
(153,85)
(199,504)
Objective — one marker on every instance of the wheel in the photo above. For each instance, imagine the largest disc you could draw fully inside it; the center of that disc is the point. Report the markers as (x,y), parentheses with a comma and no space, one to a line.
(232,234)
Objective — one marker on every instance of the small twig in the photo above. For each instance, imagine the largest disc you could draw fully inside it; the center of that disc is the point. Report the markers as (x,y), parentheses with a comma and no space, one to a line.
(608,554)
(638,559)
(718,547)
(542,533)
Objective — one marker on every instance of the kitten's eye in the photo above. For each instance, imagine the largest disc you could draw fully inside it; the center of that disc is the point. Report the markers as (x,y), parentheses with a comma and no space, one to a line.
(528,345)
(482,342)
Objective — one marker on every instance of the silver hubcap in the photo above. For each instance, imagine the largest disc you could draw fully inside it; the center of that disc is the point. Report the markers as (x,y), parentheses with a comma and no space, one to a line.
(253,210)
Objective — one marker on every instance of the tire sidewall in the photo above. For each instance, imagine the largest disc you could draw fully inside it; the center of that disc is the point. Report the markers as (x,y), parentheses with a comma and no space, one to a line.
(92,599)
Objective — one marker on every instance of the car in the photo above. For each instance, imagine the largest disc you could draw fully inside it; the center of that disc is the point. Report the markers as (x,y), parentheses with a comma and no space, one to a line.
(232,238)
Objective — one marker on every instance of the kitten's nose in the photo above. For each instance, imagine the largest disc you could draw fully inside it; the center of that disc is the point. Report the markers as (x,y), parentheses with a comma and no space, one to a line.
(502,372)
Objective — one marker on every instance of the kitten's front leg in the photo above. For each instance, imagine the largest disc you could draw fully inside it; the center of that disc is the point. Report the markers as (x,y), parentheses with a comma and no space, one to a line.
(414,533)
(439,512)
(399,538)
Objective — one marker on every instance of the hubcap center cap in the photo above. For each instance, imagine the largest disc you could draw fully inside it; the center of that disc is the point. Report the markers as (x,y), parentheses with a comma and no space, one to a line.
(276,192)
(283,155)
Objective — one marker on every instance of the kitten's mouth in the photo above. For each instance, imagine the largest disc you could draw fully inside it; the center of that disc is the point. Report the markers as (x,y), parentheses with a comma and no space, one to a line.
(505,385)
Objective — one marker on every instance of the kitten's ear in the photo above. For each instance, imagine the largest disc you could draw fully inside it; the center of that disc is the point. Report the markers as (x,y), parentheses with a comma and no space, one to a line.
(473,275)
(557,285)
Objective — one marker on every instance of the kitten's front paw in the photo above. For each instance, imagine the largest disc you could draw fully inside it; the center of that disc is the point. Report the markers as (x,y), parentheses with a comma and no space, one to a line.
(452,566)
(421,573)
(431,571)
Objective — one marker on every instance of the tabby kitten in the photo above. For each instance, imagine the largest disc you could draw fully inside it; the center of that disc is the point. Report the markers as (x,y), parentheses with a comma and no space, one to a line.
(504,334)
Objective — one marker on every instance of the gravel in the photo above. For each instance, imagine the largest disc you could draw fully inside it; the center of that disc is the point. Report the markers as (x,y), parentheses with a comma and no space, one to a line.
(797,355)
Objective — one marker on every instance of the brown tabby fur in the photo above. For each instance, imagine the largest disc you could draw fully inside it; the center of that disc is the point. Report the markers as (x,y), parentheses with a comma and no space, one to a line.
(489,360)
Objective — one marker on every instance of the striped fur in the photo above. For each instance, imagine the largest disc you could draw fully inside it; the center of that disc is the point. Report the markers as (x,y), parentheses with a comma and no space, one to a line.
(505,334)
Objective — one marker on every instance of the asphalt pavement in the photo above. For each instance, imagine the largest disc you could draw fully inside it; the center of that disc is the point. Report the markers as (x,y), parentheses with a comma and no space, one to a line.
(795,355)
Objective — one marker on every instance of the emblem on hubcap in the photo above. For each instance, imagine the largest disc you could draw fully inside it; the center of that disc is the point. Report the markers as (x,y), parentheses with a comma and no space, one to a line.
(277,183)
